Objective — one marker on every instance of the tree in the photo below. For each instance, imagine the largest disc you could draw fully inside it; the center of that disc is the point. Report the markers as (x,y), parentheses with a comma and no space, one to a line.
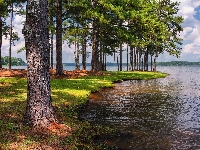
(59,65)
(1,33)
(52,11)
(6,7)
(39,111)
(11,34)
(2,11)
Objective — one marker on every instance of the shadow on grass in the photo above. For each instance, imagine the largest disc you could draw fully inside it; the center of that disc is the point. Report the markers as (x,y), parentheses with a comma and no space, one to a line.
(66,97)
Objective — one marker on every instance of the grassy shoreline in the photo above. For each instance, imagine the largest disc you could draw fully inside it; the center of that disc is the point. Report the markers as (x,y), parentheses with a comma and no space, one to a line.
(68,95)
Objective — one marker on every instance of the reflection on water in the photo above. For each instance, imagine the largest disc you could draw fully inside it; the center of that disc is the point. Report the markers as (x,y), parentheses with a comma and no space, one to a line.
(156,114)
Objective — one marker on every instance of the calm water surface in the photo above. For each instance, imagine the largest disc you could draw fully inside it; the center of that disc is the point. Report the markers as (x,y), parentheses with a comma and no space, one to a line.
(154,114)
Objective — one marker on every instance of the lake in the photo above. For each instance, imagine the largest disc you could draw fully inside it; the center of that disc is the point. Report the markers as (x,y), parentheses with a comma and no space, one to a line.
(154,114)
(70,67)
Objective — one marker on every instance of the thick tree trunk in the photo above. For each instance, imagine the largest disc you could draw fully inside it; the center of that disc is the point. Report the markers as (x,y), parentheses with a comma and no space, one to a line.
(59,65)
(1,34)
(95,62)
(39,111)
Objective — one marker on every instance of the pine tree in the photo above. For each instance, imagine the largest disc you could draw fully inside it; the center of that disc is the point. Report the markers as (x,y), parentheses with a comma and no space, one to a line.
(39,111)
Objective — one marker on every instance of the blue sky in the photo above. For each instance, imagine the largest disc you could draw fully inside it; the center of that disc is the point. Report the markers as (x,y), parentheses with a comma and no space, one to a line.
(188,9)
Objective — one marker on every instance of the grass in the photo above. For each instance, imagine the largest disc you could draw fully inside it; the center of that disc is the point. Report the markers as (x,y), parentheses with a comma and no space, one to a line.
(67,95)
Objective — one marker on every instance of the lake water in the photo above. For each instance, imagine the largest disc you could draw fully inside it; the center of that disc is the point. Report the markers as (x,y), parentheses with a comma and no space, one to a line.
(154,114)
(70,68)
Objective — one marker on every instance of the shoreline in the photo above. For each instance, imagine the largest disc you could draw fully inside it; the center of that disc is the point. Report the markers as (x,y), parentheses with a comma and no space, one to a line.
(68,95)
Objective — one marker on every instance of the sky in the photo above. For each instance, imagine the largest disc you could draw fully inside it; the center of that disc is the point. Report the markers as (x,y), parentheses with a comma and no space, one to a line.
(188,9)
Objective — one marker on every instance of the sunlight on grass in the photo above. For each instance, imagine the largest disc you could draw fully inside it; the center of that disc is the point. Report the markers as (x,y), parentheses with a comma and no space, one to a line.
(67,96)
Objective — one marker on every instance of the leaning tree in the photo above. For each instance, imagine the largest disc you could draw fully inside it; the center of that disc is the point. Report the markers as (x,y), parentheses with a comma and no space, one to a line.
(39,110)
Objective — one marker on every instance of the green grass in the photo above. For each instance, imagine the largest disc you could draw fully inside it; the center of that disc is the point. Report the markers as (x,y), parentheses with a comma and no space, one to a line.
(67,95)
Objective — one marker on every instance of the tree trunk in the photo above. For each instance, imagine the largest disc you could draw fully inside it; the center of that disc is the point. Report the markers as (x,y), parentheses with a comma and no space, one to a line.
(100,58)
(105,66)
(103,61)
(134,58)
(51,40)
(84,54)
(142,64)
(51,51)
(127,58)
(94,61)
(146,60)
(59,65)
(151,63)
(39,111)
(120,57)
(1,34)
(51,34)
(11,29)
(137,58)
(95,64)
(117,63)
(155,59)
(131,58)
(77,56)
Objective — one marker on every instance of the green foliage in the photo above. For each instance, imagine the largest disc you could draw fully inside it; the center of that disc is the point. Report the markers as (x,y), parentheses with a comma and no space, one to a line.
(138,23)
(14,61)
(21,50)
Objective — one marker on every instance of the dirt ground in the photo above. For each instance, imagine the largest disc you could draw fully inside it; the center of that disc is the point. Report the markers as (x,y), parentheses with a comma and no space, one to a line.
(23,73)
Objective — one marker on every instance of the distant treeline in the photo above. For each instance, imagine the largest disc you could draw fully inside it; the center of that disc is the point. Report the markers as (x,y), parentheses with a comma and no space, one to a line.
(178,63)
(19,62)
(172,63)
(14,61)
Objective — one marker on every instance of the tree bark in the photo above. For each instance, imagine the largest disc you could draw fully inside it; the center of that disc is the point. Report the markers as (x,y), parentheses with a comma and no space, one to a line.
(95,62)
(11,29)
(151,63)
(76,53)
(105,66)
(134,58)
(120,57)
(127,58)
(39,111)
(117,64)
(100,58)
(1,34)
(51,51)
(59,65)
(84,53)
(155,59)
(131,58)
(146,60)
(51,39)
